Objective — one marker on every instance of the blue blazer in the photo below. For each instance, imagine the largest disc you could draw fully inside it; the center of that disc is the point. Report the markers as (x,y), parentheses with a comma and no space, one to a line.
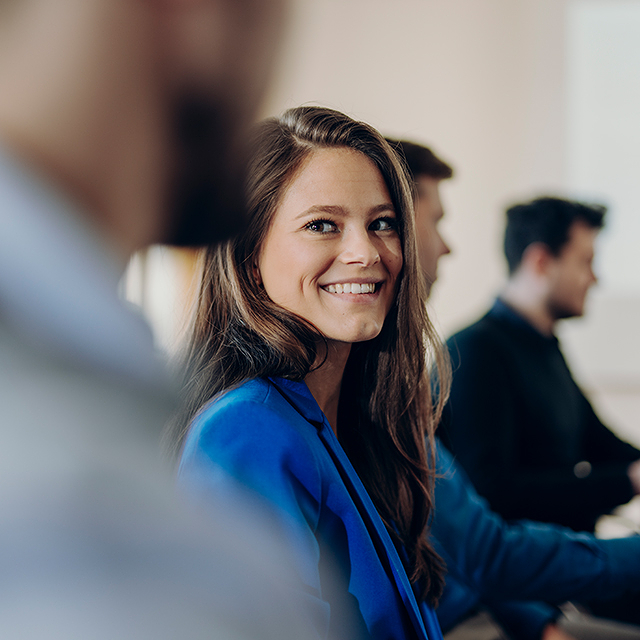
(271,436)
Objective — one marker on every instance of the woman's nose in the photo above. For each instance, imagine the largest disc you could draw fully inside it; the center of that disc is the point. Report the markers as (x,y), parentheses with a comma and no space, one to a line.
(359,247)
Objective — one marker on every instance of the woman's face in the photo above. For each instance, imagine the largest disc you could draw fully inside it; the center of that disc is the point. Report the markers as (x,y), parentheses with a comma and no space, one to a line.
(332,253)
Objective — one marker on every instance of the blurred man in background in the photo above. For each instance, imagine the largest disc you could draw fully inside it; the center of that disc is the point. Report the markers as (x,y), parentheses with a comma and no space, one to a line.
(494,566)
(120,124)
(428,171)
(517,421)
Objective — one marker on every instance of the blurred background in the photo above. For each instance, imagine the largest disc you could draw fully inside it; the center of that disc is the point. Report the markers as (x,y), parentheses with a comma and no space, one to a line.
(522,98)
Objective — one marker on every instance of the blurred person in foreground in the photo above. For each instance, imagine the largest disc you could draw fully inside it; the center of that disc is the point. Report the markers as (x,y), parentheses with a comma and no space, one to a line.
(519,424)
(119,121)
(497,567)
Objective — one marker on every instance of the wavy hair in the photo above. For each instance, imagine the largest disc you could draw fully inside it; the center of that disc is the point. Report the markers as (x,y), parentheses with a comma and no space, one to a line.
(387,413)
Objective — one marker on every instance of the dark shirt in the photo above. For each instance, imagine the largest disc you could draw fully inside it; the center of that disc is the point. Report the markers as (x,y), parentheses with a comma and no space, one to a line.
(524,431)
(514,570)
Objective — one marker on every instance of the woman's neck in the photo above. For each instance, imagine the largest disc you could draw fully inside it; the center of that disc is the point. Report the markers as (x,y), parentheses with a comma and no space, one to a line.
(326,381)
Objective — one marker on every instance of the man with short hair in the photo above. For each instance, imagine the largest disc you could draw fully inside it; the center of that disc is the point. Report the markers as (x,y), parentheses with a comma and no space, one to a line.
(120,122)
(516,419)
(427,171)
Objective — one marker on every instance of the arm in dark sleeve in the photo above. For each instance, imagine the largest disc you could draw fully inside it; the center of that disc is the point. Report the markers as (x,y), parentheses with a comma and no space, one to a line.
(524,620)
(576,500)
(481,423)
(524,560)
(604,445)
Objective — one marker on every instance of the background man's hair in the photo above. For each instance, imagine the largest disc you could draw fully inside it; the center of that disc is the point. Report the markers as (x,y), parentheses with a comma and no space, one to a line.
(420,160)
(546,220)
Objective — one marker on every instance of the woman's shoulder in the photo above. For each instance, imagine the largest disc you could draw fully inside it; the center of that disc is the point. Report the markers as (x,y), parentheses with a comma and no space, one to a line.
(253,414)
(256,399)
(253,392)
(257,437)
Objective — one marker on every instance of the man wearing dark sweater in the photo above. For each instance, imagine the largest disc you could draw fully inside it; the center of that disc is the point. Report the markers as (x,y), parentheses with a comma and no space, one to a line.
(516,420)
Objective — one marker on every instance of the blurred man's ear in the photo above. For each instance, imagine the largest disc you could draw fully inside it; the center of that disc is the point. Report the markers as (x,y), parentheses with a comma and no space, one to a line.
(223,42)
(537,259)
(220,56)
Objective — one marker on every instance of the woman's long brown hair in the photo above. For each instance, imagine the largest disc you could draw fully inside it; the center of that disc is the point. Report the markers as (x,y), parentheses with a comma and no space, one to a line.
(387,414)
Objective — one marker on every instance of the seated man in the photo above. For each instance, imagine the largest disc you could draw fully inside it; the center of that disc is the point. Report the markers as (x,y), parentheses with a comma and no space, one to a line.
(492,565)
(516,420)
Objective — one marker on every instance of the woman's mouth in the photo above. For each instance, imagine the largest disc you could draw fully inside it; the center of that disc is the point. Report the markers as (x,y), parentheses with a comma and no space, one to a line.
(351,287)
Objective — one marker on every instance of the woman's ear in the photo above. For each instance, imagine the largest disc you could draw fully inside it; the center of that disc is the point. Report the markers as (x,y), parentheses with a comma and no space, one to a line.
(255,270)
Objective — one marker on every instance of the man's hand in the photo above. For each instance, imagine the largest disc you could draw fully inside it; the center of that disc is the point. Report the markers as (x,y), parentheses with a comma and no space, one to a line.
(633,471)
(553,632)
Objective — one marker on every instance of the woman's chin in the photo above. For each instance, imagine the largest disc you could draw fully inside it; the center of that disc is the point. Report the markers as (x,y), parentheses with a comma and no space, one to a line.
(355,334)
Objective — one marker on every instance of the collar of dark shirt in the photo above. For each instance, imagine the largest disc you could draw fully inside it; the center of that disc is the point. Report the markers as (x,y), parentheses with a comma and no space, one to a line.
(502,311)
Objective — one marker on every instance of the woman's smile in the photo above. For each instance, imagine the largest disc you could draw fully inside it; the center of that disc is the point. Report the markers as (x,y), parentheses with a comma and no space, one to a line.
(332,254)
(352,287)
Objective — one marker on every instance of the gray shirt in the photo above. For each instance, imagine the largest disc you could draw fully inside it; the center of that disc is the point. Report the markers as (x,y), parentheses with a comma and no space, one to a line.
(94,542)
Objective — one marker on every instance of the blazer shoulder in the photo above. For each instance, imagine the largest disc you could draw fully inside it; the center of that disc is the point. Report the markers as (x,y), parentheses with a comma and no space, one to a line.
(253,422)
(254,409)
(259,440)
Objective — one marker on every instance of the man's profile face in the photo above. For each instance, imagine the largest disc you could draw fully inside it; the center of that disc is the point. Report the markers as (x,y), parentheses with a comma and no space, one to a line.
(571,273)
(429,212)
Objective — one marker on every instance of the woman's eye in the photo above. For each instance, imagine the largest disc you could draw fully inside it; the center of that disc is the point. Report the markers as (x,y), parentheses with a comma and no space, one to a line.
(384,224)
(321,226)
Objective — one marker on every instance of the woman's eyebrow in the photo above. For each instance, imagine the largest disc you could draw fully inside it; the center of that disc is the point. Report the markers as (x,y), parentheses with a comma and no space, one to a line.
(380,208)
(338,210)
(322,208)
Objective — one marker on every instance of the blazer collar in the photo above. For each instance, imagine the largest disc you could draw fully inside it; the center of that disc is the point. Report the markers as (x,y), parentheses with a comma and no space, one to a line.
(423,618)
(299,396)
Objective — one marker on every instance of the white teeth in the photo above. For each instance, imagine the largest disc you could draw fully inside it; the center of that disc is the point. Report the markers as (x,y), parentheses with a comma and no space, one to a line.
(354,287)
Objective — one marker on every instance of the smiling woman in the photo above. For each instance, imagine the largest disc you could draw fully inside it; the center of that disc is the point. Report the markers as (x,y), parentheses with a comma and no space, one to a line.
(306,373)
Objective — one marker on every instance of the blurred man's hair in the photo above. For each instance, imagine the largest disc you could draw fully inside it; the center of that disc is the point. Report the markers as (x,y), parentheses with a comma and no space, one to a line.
(420,160)
(546,220)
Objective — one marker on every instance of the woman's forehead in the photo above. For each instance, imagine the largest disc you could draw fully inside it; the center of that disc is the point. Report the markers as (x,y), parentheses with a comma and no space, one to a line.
(335,177)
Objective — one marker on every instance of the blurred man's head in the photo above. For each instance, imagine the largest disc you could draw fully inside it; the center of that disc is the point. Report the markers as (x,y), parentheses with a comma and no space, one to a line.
(137,108)
(224,55)
(549,242)
(427,171)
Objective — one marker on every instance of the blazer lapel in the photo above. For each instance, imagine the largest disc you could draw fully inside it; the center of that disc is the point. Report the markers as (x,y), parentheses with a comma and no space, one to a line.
(423,618)
(380,536)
